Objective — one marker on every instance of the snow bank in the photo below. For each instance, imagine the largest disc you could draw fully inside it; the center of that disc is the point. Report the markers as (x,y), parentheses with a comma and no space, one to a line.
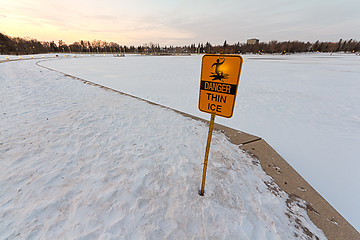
(80,162)
(306,106)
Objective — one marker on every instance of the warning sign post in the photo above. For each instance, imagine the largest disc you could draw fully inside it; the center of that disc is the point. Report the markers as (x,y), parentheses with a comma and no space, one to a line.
(219,82)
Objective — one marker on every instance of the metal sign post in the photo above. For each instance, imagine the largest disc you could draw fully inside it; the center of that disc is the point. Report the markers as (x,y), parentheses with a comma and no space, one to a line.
(212,120)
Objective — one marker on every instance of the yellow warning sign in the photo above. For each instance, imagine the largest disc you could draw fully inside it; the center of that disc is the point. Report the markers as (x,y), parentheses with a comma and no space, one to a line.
(218,83)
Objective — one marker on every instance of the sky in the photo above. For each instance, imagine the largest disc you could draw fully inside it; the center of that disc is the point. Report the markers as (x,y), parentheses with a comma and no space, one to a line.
(181,22)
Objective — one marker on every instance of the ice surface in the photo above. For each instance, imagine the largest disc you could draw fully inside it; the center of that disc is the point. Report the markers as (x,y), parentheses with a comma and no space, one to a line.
(81,162)
(305,105)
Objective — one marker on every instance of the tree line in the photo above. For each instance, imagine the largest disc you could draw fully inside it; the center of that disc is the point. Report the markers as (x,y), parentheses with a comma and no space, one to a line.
(21,46)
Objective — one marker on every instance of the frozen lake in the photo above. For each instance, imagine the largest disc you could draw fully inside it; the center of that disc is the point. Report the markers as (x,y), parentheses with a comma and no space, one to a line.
(306,106)
(79,162)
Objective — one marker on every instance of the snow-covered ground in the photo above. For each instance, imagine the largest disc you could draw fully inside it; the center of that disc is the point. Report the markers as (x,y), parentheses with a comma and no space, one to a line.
(49,55)
(307,106)
(25,57)
(81,162)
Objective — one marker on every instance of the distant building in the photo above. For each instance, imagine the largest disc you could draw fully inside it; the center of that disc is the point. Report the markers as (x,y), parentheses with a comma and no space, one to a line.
(253,41)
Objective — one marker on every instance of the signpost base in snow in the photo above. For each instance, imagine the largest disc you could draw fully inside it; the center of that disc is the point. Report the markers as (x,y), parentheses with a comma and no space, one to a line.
(201,192)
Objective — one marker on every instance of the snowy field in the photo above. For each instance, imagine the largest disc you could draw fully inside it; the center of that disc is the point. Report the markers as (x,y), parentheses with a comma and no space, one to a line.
(24,57)
(81,162)
(306,106)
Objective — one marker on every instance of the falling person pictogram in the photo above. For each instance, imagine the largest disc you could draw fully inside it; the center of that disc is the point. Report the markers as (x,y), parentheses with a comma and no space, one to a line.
(219,74)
